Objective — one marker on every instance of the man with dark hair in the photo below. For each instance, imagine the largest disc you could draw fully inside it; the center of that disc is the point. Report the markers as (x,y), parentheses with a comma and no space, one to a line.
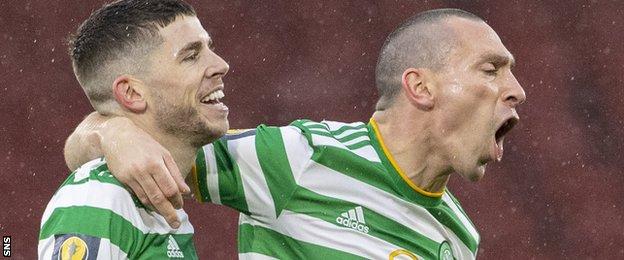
(332,190)
(151,63)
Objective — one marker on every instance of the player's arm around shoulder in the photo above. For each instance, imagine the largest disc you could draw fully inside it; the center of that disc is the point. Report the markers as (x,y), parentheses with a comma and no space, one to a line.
(134,157)
(90,215)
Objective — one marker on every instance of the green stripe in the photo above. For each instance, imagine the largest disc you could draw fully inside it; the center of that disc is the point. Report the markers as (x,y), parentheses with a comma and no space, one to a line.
(230,183)
(268,242)
(353,166)
(317,126)
(315,205)
(100,174)
(317,132)
(107,224)
(447,217)
(202,176)
(460,207)
(352,136)
(342,139)
(359,145)
(344,128)
(275,165)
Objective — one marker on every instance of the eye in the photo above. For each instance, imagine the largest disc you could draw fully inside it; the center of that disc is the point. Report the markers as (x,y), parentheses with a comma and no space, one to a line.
(191,57)
(489,69)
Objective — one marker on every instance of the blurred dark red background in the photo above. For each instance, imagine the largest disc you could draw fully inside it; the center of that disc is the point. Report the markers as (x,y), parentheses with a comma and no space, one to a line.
(557,194)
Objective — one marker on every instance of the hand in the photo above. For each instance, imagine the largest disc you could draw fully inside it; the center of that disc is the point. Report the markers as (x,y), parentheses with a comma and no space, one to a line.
(142,164)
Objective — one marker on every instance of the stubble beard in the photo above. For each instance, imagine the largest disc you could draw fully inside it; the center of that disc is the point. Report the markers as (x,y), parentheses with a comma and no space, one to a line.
(184,122)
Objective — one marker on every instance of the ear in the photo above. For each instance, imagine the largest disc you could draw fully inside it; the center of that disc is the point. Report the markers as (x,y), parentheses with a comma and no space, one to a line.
(415,84)
(129,94)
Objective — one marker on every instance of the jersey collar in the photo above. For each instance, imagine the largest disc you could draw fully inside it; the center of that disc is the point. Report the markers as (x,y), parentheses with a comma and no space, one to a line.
(407,188)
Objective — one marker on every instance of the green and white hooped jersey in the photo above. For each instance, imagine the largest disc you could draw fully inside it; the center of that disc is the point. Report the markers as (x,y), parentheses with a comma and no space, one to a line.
(93,216)
(328,190)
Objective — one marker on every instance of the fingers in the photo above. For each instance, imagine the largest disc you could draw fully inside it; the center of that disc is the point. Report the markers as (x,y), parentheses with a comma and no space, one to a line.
(138,191)
(167,185)
(159,201)
(175,173)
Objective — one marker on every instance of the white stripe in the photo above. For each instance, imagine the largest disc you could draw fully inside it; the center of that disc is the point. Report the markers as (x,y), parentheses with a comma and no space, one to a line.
(212,175)
(319,232)
(257,194)
(350,132)
(328,182)
(45,248)
(254,256)
(325,128)
(334,125)
(367,152)
(108,250)
(352,214)
(460,250)
(356,140)
(117,199)
(461,216)
(298,151)
(84,171)
(360,214)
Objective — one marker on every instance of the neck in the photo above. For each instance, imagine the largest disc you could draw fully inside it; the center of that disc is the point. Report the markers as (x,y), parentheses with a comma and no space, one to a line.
(182,151)
(409,141)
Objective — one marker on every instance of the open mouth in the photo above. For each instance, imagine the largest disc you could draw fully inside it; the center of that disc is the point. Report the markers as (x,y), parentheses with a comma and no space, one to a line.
(213,98)
(505,128)
(499,137)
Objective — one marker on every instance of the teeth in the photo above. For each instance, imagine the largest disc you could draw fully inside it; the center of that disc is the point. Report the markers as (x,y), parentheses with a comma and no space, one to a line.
(214,96)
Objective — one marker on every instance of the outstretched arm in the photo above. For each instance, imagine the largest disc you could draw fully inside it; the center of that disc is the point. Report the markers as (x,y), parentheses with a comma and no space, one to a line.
(133,157)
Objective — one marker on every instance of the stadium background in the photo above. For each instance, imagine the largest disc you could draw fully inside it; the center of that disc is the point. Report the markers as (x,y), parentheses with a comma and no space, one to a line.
(557,194)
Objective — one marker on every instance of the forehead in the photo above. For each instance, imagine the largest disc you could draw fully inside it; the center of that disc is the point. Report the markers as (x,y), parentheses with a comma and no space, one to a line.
(183,30)
(476,40)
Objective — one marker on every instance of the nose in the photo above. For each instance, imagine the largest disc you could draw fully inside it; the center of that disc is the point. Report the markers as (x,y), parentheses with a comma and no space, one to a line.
(514,93)
(216,66)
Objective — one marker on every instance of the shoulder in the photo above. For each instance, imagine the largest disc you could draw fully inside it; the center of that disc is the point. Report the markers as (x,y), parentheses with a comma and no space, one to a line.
(348,139)
(92,184)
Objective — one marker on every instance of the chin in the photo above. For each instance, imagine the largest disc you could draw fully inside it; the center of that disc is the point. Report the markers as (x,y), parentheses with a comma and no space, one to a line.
(474,174)
(220,129)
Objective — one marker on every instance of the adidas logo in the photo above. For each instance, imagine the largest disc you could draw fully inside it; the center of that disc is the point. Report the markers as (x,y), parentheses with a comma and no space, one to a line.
(173,250)
(354,219)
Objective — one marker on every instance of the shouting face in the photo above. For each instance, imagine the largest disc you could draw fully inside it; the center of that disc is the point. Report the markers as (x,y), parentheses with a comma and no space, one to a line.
(477,96)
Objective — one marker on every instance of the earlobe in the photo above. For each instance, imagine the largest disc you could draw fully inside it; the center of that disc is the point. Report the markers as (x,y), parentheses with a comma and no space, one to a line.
(129,94)
(416,86)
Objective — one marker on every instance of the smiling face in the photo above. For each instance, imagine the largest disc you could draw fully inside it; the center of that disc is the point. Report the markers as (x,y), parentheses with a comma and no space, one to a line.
(185,83)
(476,98)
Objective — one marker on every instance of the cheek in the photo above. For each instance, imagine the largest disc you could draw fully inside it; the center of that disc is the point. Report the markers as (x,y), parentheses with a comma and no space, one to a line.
(466,107)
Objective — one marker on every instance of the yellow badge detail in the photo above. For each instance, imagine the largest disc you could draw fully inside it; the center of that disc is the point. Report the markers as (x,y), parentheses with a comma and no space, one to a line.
(402,254)
(73,248)
(237,131)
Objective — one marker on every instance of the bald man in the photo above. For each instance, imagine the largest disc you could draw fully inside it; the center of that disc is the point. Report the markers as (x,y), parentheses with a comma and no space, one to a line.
(333,190)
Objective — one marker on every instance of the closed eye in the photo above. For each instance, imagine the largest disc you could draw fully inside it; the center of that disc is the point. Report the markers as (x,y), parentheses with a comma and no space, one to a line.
(490,69)
(492,72)
(191,57)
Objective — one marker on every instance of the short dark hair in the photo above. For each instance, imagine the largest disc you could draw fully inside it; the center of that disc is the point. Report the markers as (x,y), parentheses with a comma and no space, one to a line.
(115,32)
(414,44)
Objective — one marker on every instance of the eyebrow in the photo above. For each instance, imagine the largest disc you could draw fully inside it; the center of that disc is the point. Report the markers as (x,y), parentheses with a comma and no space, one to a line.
(498,60)
(191,46)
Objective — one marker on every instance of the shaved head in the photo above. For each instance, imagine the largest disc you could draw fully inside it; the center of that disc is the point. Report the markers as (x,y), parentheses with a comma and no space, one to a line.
(423,41)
